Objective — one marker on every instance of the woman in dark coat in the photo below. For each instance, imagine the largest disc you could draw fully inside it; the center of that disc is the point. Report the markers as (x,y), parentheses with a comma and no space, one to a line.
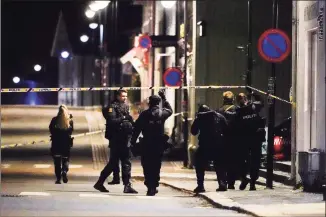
(61,128)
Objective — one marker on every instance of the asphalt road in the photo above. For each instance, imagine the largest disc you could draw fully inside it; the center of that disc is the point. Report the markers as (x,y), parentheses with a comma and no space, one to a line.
(27,175)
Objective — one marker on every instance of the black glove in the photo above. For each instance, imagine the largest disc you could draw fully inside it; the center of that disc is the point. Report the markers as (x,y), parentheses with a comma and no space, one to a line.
(129,118)
(134,148)
(161,93)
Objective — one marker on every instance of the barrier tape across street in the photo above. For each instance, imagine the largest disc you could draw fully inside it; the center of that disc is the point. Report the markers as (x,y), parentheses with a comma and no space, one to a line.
(70,89)
(45,141)
(275,97)
(128,88)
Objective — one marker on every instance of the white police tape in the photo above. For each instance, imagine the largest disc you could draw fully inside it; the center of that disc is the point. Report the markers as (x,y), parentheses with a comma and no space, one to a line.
(70,89)
(275,97)
(45,141)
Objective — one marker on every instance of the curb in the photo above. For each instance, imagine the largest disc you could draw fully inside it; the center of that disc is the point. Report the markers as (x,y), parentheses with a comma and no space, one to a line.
(202,196)
(214,203)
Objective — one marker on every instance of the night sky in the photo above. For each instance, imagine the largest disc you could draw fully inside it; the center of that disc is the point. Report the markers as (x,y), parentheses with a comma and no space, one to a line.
(28,29)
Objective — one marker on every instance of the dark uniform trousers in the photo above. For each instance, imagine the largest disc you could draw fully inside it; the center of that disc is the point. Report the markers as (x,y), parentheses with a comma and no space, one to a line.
(119,152)
(205,154)
(250,160)
(116,169)
(233,161)
(61,165)
(151,162)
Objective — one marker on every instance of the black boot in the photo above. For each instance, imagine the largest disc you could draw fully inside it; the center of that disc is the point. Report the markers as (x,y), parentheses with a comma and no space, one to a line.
(58,181)
(151,192)
(115,181)
(129,190)
(252,186)
(100,187)
(64,177)
(243,184)
(222,187)
(230,185)
(199,189)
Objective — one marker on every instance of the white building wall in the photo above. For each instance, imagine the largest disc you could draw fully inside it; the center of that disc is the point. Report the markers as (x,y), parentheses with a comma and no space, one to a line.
(310,95)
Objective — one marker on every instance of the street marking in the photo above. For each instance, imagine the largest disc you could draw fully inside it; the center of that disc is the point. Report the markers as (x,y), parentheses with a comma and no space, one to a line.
(5,165)
(94,195)
(73,166)
(42,166)
(34,193)
(150,197)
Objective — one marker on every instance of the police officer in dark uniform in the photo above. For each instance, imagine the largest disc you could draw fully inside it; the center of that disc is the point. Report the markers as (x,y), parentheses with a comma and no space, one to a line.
(116,170)
(211,127)
(228,110)
(119,133)
(252,133)
(151,124)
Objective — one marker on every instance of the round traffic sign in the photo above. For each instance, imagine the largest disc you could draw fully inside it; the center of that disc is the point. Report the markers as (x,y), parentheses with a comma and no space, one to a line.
(145,41)
(274,45)
(172,77)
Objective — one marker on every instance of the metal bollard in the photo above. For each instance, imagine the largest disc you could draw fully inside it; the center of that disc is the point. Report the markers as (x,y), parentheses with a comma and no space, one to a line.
(324,192)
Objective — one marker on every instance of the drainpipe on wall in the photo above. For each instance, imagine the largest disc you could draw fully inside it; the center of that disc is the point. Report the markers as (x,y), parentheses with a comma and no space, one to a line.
(177,32)
(153,49)
(294,87)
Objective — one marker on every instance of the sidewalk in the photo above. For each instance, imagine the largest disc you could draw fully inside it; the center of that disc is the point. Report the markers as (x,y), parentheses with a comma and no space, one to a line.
(280,201)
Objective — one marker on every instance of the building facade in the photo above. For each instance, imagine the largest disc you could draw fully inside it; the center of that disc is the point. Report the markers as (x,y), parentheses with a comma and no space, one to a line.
(214,30)
(310,78)
(76,70)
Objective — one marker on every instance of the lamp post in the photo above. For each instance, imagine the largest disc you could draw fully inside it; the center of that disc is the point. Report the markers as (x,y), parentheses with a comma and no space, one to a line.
(84,38)
(98,6)
(16,79)
(249,48)
(271,110)
(37,68)
(89,13)
(65,54)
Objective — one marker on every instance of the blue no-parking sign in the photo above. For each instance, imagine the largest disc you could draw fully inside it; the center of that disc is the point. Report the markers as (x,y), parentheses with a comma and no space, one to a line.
(274,45)
(172,77)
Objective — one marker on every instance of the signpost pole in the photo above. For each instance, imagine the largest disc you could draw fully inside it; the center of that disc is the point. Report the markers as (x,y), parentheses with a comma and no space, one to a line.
(249,47)
(185,91)
(271,110)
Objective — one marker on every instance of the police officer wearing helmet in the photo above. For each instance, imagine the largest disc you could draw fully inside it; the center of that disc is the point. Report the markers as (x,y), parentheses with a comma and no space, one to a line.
(228,110)
(211,127)
(121,124)
(151,124)
(252,133)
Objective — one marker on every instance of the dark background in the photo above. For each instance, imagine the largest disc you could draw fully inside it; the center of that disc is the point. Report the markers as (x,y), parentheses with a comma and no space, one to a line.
(28,29)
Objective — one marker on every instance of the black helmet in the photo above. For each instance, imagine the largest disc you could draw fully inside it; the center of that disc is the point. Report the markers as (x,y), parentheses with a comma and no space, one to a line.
(203,108)
(154,100)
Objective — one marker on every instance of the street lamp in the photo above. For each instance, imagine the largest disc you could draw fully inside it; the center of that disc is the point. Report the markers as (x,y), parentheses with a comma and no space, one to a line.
(65,54)
(168,4)
(90,13)
(93,25)
(84,38)
(37,68)
(96,6)
(16,80)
